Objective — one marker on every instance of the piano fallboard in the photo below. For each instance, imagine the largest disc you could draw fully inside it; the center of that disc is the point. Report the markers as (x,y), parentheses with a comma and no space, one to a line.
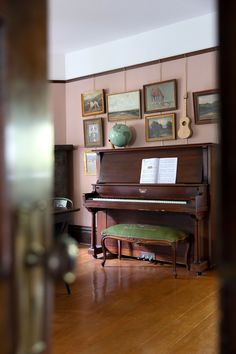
(150,191)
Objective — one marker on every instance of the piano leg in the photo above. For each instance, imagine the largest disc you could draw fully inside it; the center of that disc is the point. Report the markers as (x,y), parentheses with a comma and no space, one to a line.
(173,245)
(198,264)
(94,250)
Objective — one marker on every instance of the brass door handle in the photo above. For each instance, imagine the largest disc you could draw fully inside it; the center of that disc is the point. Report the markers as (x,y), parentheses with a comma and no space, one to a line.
(61,260)
(33,264)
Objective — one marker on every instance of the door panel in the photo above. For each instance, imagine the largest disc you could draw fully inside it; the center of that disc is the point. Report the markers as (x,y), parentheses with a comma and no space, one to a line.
(5,242)
(27,149)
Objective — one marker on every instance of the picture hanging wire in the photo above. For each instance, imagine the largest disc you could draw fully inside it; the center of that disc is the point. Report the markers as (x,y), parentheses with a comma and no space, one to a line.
(160,71)
(125,85)
(93,82)
(186,82)
(162,143)
(186,76)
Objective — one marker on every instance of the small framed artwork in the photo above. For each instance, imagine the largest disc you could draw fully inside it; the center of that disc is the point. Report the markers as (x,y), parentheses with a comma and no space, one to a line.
(206,106)
(93,132)
(160,96)
(160,127)
(124,105)
(93,103)
(90,164)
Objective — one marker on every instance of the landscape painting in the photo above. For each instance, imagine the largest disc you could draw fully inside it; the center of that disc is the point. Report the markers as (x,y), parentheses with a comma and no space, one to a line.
(161,127)
(124,105)
(206,106)
(93,103)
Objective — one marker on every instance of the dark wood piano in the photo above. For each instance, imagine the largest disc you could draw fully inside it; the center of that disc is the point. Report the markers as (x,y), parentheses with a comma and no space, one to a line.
(189,204)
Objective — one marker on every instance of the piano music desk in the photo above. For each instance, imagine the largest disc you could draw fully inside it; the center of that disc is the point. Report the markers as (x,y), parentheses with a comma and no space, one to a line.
(147,234)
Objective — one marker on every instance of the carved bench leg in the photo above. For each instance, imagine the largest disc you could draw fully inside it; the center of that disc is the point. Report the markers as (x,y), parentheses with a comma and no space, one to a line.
(119,248)
(103,250)
(187,256)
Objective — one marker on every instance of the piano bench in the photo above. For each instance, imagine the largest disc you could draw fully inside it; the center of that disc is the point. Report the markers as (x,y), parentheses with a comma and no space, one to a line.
(147,234)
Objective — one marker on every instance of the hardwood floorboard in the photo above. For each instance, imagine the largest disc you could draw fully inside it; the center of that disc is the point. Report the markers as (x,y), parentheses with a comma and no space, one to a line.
(135,307)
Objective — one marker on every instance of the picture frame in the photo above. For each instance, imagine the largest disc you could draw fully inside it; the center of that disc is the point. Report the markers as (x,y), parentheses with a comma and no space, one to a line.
(124,105)
(93,132)
(206,106)
(93,103)
(90,163)
(160,127)
(160,96)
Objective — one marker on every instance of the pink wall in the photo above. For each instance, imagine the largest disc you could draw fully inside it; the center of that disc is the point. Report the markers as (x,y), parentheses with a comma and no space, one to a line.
(58,106)
(201,75)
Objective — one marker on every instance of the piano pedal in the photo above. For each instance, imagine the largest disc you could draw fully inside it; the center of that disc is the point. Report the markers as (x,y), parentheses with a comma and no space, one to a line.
(147,256)
(147,259)
(141,258)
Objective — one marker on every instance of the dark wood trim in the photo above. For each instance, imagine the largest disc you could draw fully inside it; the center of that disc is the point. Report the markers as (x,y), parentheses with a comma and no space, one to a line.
(57,81)
(130,67)
(65,147)
(190,54)
(150,148)
(81,234)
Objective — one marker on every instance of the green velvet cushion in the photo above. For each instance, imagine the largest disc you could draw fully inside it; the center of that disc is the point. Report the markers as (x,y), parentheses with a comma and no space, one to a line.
(146,232)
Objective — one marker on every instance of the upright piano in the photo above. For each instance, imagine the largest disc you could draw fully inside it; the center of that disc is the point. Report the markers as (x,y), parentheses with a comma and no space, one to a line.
(189,204)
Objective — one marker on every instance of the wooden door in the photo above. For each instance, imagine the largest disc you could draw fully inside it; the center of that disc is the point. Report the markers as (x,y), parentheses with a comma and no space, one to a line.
(26,152)
(227,172)
(5,268)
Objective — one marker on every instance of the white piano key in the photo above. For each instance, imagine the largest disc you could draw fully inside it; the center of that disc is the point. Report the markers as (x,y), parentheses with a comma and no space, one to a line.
(151,201)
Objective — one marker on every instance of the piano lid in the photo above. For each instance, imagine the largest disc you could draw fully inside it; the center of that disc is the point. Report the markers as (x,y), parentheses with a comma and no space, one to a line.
(124,165)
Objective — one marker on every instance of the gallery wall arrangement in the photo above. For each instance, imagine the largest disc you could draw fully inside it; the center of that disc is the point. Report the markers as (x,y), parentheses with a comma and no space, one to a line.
(159,99)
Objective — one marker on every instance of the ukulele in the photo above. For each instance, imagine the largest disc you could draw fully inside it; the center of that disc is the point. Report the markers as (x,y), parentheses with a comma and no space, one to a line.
(185,130)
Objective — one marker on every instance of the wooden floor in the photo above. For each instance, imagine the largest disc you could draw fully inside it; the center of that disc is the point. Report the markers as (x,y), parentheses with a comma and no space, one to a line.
(135,307)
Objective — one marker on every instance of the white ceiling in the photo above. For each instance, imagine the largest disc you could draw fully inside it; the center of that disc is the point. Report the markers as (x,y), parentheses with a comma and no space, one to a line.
(80,24)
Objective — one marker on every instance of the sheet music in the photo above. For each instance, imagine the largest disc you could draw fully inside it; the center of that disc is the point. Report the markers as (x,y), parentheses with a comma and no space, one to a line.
(149,170)
(167,170)
(159,170)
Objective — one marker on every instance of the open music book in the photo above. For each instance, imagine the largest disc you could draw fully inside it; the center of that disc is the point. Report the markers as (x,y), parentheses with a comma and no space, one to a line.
(159,170)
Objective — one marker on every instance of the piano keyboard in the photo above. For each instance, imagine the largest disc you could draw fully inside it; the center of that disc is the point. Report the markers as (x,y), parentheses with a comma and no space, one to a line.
(181,202)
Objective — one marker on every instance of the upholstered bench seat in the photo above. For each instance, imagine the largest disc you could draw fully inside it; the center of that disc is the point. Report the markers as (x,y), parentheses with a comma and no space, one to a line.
(147,234)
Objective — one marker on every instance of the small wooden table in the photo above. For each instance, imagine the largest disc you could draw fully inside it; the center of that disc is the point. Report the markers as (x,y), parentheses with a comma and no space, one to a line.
(61,216)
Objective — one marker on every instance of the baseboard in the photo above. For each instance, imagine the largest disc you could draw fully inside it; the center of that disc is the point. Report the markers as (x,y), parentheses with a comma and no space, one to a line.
(80,233)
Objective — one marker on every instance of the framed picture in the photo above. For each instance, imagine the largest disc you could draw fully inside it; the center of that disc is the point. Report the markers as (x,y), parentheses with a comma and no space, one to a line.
(93,132)
(124,105)
(160,96)
(206,106)
(90,167)
(161,127)
(93,103)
